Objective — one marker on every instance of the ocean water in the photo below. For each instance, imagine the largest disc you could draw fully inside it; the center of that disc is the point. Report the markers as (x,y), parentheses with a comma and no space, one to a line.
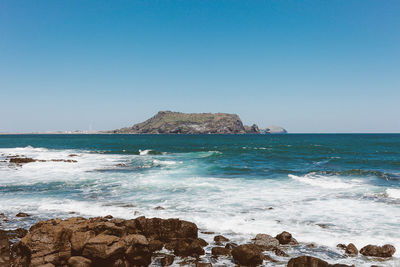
(323,188)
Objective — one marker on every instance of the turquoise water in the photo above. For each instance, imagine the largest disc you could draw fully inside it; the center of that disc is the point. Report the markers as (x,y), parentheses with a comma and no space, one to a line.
(347,183)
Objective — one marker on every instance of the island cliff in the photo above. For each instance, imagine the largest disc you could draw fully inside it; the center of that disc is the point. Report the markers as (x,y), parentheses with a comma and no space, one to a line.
(168,122)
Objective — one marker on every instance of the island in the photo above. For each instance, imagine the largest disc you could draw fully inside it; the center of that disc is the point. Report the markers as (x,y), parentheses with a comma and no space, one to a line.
(169,122)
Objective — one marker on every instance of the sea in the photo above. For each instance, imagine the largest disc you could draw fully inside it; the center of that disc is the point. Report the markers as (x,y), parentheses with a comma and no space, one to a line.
(325,189)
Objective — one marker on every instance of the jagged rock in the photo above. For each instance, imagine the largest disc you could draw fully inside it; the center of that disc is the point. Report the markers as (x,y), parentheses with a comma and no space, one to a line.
(203,264)
(253,129)
(385,251)
(4,249)
(220,251)
(248,255)
(168,122)
(105,242)
(279,252)
(285,238)
(265,242)
(78,261)
(351,250)
(167,260)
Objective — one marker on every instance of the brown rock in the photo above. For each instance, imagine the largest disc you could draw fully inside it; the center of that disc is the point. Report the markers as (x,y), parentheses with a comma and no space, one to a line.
(385,251)
(231,245)
(341,246)
(22,214)
(17,233)
(249,255)
(220,251)
(156,245)
(167,260)
(21,160)
(103,247)
(280,252)
(307,261)
(220,238)
(265,242)
(285,238)
(351,250)
(4,249)
(202,242)
(78,261)
(79,239)
(188,247)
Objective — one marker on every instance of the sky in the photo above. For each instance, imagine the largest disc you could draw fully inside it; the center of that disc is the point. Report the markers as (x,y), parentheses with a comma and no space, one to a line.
(308,66)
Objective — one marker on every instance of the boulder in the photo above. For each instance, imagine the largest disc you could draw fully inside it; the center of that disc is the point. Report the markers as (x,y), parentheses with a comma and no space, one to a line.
(248,255)
(385,251)
(103,247)
(220,239)
(351,250)
(307,261)
(285,238)
(266,242)
(220,251)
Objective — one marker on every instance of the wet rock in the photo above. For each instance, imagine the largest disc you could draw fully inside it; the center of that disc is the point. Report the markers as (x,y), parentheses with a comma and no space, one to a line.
(307,261)
(220,251)
(4,249)
(202,242)
(268,258)
(78,261)
(159,208)
(385,251)
(186,248)
(72,155)
(285,238)
(266,242)
(208,233)
(108,217)
(22,214)
(167,260)
(279,252)
(351,250)
(17,160)
(231,245)
(248,255)
(220,239)
(341,246)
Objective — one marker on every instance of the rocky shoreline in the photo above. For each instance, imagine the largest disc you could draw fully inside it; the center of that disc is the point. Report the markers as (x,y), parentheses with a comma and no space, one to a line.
(114,242)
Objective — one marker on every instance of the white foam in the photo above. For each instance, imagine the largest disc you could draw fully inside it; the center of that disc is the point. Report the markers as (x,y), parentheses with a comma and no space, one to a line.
(144,152)
(321,181)
(393,193)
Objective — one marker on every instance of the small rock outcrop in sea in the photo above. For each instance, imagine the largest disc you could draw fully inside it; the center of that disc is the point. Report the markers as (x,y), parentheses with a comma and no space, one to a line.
(274,130)
(253,129)
(385,251)
(266,242)
(168,122)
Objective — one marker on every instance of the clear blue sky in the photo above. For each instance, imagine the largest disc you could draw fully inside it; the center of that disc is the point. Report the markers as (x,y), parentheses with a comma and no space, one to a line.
(309,66)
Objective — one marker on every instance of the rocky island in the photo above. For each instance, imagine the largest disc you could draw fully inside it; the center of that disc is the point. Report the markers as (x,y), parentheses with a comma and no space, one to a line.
(168,122)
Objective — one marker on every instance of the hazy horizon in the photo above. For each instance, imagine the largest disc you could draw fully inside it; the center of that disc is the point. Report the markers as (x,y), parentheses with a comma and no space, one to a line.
(310,67)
